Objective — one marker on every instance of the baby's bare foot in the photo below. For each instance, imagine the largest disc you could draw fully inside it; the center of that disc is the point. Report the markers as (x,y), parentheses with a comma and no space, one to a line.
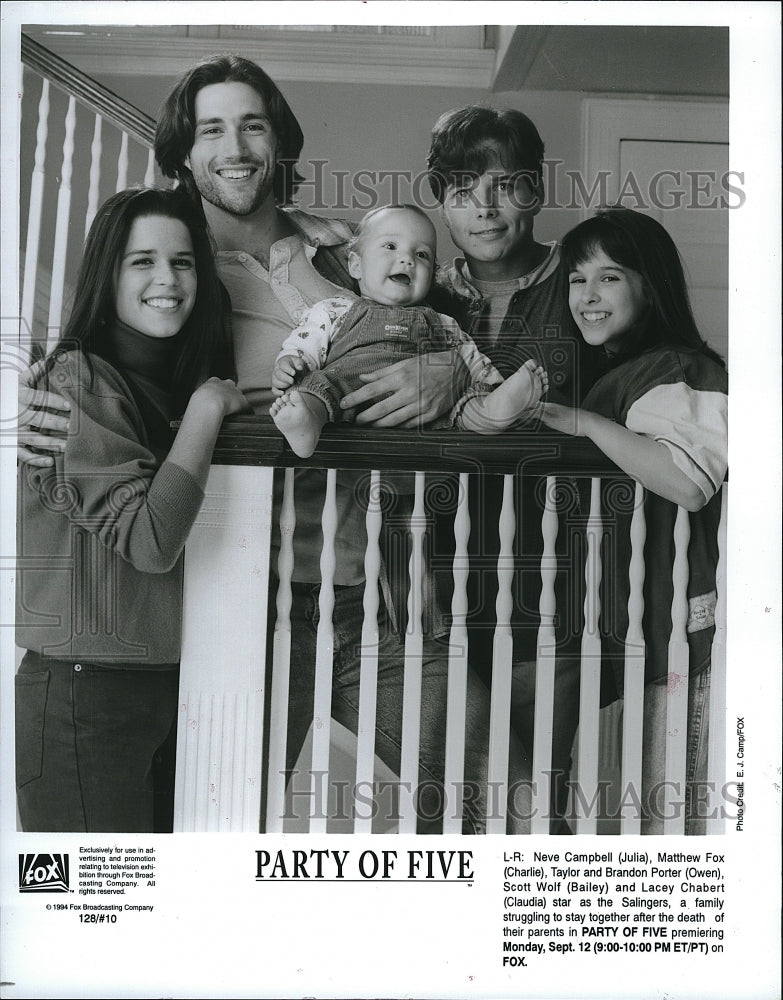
(300,417)
(540,384)
(521,391)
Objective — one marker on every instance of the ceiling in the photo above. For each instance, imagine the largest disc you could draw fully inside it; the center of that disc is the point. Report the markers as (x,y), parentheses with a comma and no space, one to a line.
(615,59)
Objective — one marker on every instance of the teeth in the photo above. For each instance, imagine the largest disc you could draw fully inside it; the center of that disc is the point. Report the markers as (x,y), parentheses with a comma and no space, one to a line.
(162,303)
(594,317)
(235,174)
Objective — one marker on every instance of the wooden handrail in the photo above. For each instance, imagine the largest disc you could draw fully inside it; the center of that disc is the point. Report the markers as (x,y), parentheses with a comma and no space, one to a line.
(254,440)
(93,95)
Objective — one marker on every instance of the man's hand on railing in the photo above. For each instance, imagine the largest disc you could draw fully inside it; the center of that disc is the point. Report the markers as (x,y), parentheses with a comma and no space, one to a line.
(410,393)
(39,427)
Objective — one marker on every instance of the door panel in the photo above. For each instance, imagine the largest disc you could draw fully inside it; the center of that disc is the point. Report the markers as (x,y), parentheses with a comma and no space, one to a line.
(641,144)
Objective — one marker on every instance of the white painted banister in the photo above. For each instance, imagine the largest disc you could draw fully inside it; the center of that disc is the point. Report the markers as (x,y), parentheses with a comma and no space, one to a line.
(149,173)
(281,663)
(322,699)
(633,678)
(677,684)
(414,643)
(72,183)
(122,163)
(454,772)
(34,215)
(502,656)
(220,731)
(96,152)
(368,669)
(716,760)
(545,666)
(54,322)
(590,676)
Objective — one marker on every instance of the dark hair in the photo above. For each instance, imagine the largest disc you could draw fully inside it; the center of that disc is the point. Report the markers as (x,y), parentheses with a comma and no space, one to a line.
(204,343)
(176,130)
(640,243)
(468,140)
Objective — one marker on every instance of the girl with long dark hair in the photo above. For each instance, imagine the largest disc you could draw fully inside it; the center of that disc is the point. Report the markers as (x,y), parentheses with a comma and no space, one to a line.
(660,414)
(101,533)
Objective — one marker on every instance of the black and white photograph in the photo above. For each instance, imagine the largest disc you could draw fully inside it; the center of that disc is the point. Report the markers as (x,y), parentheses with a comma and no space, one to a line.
(372,500)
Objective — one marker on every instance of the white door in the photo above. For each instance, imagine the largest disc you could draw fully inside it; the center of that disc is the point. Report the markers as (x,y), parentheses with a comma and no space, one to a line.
(670,159)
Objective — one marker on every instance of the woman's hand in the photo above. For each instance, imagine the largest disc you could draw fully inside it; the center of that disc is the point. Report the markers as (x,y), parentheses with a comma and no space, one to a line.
(220,395)
(410,393)
(40,411)
(214,400)
(565,419)
(646,460)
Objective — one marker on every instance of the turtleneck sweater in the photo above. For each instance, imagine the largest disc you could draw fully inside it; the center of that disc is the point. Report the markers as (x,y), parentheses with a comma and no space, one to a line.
(101,534)
(147,365)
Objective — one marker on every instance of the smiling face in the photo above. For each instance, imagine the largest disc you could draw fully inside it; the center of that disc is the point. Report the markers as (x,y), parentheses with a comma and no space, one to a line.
(234,154)
(155,283)
(395,258)
(607,301)
(490,219)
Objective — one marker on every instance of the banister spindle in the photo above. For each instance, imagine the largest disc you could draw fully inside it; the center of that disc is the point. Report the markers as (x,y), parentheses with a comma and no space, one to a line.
(96,152)
(716,740)
(149,174)
(414,643)
(122,163)
(34,215)
(368,670)
(590,675)
(502,655)
(322,700)
(633,682)
(281,663)
(458,668)
(677,683)
(545,666)
(61,229)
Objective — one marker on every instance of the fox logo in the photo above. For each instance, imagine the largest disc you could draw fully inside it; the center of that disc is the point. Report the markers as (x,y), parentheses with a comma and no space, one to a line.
(43,873)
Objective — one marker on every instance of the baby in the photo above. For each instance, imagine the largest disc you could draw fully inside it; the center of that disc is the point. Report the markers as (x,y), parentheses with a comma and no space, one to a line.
(392,256)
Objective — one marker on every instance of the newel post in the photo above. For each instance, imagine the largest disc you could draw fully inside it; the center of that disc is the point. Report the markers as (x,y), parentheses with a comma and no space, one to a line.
(221,705)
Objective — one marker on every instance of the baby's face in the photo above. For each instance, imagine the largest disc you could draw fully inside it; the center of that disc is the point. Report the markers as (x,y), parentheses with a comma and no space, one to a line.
(395,258)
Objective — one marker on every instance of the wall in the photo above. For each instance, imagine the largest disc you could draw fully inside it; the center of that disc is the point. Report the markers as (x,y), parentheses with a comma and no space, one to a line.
(388,128)
(352,127)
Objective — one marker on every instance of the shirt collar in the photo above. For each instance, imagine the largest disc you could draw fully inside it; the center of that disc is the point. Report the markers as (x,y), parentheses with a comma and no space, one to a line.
(461,279)
(317,231)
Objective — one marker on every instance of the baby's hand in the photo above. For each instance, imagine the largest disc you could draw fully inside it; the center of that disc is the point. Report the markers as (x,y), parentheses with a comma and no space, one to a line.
(285,372)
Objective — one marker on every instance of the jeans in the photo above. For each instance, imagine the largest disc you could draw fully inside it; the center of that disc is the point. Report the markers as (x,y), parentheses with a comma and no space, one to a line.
(95,746)
(654,753)
(347,623)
